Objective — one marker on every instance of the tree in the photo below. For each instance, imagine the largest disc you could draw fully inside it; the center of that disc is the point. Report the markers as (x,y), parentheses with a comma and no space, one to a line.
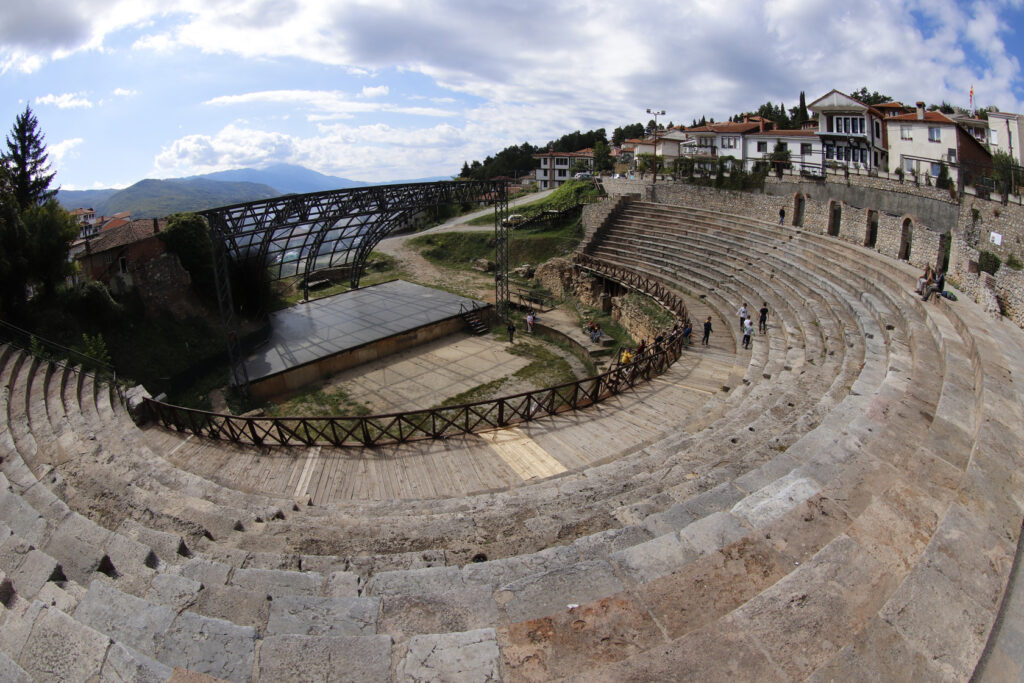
(870,98)
(798,114)
(780,158)
(26,159)
(602,157)
(50,231)
(13,259)
(188,236)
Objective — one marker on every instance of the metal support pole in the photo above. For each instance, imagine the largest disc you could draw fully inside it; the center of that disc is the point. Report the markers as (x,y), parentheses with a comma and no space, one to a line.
(502,239)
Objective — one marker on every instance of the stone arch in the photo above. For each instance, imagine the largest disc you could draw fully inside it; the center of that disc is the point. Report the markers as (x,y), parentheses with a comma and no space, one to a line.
(835,217)
(906,239)
(871,231)
(799,207)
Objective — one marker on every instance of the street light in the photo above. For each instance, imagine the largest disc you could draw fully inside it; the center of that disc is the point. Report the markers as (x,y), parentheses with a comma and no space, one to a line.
(656,113)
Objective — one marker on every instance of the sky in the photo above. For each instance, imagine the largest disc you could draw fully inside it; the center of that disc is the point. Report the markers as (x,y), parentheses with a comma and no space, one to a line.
(379,90)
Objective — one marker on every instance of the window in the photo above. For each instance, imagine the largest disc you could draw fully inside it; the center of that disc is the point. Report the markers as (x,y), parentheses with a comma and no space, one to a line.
(935,170)
(993,136)
(729,142)
(934,134)
(905,133)
(951,154)
(908,165)
(762,147)
(830,151)
(783,146)
(561,173)
(806,149)
(878,129)
(123,263)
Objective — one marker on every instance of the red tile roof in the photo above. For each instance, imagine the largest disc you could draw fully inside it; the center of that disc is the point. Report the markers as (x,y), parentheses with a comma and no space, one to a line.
(929,117)
(124,233)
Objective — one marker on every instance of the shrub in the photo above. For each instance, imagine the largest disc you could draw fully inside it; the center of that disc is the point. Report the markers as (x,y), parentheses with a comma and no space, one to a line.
(988,262)
(1013,262)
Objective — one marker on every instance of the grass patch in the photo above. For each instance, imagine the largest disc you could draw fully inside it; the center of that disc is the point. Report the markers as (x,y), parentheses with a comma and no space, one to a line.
(546,368)
(651,309)
(319,403)
(461,249)
(479,393)
(568,195)
(380,267)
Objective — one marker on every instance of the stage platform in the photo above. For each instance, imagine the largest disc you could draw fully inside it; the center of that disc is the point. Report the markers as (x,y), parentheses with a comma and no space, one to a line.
(346,327)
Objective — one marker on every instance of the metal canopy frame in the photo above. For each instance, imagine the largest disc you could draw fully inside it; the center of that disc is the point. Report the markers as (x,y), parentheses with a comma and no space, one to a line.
(301,234)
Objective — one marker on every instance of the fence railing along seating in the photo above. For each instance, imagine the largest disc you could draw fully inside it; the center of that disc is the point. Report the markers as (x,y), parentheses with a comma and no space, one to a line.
(436,423)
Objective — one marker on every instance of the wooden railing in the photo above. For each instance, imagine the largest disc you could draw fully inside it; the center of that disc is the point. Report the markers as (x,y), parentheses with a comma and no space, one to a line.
(437,423)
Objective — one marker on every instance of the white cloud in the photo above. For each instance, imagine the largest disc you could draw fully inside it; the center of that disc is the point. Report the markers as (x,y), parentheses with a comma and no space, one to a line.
(324,105)
(66,101)
(375,91)
(123,92)
(63,149)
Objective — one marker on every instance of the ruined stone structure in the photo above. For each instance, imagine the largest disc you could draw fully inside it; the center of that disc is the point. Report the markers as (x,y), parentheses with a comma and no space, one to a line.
(841,502)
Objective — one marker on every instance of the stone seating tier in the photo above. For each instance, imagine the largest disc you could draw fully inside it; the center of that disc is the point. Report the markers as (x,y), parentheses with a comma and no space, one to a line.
(876,544)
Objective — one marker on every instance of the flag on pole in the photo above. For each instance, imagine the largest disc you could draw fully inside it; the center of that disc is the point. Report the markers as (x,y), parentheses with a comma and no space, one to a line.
(972,96)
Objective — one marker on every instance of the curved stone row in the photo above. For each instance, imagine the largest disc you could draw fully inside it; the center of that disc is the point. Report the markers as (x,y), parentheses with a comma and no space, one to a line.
(864,531)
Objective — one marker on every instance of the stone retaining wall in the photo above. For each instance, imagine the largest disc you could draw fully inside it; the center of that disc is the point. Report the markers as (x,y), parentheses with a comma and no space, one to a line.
(975,221)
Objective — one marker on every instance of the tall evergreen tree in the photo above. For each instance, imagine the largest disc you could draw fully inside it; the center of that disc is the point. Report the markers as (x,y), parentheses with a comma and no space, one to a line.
(13,259)
(26,160)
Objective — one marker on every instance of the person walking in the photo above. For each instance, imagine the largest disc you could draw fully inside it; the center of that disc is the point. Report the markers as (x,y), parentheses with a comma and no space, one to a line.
(707,332)
(511,328)
(762,321)
(782,216)
(748,329)
(530,318)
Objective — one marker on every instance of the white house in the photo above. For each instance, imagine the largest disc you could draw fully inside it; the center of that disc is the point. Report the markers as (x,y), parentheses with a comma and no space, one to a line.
(921,142)
(554,166)
(715,140)
(1005,132)
(804,147)
(852,133)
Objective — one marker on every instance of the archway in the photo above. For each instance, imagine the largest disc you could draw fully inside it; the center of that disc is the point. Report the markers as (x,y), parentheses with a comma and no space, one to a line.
(906,237)
(835,217)
(799,205)
(871,234)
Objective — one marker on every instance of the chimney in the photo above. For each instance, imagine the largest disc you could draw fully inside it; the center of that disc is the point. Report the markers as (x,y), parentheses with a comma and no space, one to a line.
(920,111)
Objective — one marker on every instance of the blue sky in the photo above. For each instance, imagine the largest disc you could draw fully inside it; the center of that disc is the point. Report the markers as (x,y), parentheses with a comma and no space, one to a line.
(392,89)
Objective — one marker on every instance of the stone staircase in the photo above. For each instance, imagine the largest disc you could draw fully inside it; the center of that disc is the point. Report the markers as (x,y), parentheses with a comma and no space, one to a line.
(841,502)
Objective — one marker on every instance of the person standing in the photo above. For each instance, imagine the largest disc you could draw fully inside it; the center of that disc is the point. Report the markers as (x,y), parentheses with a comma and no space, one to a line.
(707,332)
(529,321)
(511,328)
(782,216)
(743,313)
(762,321)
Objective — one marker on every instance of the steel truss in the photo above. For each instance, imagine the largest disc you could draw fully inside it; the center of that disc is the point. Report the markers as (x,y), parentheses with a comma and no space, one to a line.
(301,234)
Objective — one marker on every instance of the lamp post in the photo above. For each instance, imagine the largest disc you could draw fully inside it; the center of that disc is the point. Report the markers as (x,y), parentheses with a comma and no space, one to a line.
(656,113)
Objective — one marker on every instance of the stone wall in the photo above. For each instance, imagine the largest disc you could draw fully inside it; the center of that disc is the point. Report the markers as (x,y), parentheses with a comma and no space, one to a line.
(969,224)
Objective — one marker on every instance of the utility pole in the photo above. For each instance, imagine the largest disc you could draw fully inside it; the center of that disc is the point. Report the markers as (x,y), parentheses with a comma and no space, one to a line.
(656,113)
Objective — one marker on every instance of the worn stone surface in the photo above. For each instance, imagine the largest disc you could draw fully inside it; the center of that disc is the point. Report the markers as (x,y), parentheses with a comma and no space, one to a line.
(657,557)
(13,673)
(124,664)
(465,656)
(246,608)
(61,649)
(573,640)
(403,616)
(543,594)
(277,582)
(415,581)
(133,621)
(317,616)
(174,591)
(210,646)
(323,659)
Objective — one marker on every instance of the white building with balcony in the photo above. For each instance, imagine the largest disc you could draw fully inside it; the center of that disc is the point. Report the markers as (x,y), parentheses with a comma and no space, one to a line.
(715,140)
(804,147)
(852,133)
(555,166)
(921,142)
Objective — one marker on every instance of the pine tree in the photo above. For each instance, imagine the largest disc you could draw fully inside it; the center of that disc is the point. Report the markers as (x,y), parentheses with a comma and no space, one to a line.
(26,160)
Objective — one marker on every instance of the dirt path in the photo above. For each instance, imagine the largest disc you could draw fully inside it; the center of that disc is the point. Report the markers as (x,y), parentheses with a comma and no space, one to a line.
(478,285)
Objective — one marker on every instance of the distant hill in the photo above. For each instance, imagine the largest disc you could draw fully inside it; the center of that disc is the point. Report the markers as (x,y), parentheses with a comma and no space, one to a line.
(287,178)
(159,198)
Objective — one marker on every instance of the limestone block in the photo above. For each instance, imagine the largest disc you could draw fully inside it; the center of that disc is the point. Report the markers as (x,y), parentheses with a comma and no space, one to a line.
(535,596)
(210,646)
(11,672)
(659,556)
(17,626)
(21,518)
(342,585)
(721,497)
(62,649)
(138,623)
(124,664)
(317,616)
(604,543)
(237,605)
(496,573)
(277,582)
(27,568)
(322,659)
(403,616)
(714,532)
(177,592)
(168,547)
(79,543)
(466,656)
(415,581)
(771,502)
(273,561)
(206,572)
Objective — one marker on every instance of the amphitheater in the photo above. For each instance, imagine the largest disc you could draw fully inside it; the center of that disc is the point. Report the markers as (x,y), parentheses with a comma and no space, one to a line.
(841,502)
